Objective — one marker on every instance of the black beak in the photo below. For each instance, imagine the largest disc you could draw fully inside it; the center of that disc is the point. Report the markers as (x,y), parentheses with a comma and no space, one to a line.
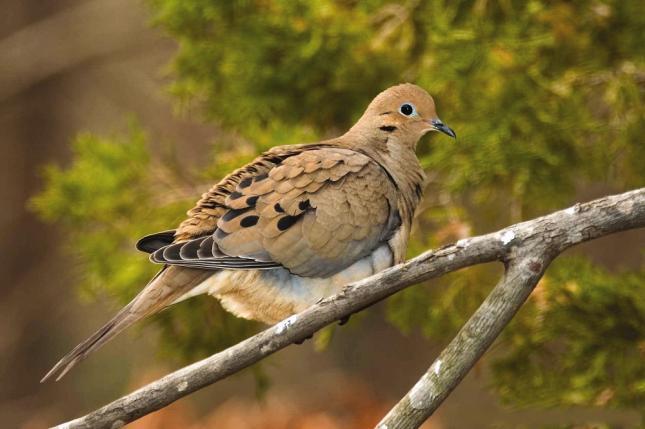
(440,126)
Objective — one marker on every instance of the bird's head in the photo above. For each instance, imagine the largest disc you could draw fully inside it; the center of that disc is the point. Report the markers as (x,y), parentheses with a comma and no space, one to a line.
(405,112)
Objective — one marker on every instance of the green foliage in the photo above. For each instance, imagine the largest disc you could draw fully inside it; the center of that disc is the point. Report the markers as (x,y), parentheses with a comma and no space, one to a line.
(445,304)
(94,200)
(297,62)
(546,98)
(580,341)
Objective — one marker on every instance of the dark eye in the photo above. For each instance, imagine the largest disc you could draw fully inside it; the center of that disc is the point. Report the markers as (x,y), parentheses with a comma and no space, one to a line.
(407,109)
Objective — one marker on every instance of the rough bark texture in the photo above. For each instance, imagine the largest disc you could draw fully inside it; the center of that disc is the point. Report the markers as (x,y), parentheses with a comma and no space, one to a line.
(526,249)
(468,346)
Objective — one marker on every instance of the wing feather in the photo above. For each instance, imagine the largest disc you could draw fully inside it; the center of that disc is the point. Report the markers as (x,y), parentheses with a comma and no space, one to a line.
(314,212)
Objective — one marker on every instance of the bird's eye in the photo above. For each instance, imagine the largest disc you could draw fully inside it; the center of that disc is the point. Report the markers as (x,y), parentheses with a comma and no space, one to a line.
(407,109)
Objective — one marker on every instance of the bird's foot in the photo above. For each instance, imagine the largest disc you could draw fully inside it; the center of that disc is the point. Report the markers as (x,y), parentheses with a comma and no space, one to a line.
(344,320)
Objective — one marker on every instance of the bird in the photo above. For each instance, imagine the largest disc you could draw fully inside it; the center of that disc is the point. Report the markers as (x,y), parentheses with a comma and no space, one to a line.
(293,226)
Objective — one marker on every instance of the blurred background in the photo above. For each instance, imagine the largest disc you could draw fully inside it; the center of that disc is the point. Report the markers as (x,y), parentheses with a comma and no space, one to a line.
(116,115)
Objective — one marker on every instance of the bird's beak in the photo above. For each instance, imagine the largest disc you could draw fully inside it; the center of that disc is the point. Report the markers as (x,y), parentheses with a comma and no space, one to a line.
(438,125)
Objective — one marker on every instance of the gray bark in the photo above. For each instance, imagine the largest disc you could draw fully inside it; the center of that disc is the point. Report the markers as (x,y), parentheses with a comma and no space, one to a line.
(526,249)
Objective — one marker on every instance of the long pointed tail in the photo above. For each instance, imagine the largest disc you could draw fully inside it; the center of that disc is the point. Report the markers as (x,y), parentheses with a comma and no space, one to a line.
(164,289)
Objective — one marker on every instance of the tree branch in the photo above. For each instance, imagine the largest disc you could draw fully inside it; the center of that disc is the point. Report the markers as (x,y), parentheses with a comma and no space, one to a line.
(526,250)
(468,346)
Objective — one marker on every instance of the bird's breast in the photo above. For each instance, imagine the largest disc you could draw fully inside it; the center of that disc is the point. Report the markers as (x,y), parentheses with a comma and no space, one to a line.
(272,295)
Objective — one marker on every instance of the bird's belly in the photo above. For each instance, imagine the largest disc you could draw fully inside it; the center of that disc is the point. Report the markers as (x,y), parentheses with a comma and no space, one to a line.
(272,295)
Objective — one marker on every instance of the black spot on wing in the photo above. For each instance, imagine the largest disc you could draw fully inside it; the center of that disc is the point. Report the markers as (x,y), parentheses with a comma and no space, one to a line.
(251,201)
(278,208)
(249,221)
(286,222)
(232,214)
(235,195)
(246,182)
(304,205)
(260,177)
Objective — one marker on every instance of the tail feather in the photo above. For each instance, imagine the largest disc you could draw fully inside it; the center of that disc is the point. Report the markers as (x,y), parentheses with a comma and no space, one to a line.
(163,290)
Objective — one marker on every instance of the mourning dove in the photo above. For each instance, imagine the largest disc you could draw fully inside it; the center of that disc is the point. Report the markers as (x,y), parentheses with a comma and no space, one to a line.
(295,225)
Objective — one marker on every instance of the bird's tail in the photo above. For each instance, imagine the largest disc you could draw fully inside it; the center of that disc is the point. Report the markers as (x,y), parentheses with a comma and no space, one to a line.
(164,289)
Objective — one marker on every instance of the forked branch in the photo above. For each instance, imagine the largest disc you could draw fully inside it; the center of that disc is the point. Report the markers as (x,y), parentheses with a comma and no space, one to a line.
(526,249)
(476,336)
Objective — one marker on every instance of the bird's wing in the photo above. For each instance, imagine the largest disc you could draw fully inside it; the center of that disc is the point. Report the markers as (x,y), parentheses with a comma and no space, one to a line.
(314,213)
(202,219)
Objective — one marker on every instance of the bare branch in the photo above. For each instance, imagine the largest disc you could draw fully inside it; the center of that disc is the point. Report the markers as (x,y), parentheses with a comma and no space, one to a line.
(525,248)
(468,346)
